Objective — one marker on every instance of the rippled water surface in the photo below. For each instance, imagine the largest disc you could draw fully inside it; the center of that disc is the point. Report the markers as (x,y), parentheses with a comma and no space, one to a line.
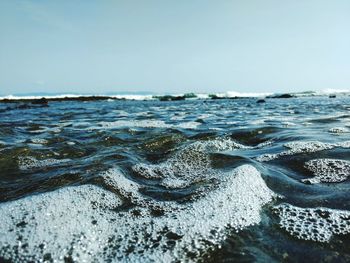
(203,181)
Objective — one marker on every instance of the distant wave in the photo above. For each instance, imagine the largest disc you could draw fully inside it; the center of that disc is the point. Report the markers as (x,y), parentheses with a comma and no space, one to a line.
(29,97)
(227,94)
(244,94)
(332,91)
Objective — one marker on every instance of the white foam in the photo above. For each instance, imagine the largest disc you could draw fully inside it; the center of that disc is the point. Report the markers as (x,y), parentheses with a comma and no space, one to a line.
(58,224)
(178,117)
(307,146)
(345,144)
(126,96)
(15,97)
(130,190)
(148,124)
(39,141)
(187,125)
(223,144)
(228,94)
(317,224)
(255,122)
(47,129)
(205,116)
(297,147)
(332,91)
(82,222)
(338,130)
(29,162)
(242,94)
(267,157)
(265,143)
(135,123)
(328,170)
(189,165)
(133,97)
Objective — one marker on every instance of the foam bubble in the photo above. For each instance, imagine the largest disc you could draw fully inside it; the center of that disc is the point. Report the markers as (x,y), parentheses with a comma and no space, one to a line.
(185,167)
(267,157)
(328,170)
(189,165)
(338,130)
(205,116)
(264,144)
(87,223)
(345,144)
(39,141)
(55,225)
(29,162)
(148,124)
(307,146)
(135,123)
(257,122)
(317,224)
(297,147)
(46,129)
(223,144)
(130,190)
(187,125)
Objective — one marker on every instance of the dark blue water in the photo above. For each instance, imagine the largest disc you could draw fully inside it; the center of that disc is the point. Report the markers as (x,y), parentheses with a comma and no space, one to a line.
(203,181)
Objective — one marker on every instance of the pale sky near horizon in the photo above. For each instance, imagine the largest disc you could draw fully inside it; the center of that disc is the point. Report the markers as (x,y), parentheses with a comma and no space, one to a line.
(174,46)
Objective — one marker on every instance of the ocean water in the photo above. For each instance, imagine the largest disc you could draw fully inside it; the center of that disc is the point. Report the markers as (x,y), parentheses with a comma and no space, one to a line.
(183,181)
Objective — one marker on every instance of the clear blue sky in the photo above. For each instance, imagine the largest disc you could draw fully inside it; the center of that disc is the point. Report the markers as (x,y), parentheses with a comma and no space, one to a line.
(174,46)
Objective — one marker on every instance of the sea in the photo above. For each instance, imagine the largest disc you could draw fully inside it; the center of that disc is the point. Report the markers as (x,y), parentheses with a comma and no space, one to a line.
(200,180)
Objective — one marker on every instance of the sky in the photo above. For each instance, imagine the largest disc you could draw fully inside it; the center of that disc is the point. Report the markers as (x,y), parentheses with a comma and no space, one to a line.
(176,46)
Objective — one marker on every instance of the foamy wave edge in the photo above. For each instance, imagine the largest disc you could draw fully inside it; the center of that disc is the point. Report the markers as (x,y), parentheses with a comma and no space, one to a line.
(82,223)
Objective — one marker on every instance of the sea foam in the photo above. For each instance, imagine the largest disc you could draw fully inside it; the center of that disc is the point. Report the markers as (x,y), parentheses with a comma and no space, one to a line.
(87,223)
(317,224)
(339,130)
(298,147)
(328,170)
(148,124)
(29,162)
(189,165)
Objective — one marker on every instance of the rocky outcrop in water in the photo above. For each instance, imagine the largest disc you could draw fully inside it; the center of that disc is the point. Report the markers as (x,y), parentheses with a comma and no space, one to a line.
(42,101)
(281,96)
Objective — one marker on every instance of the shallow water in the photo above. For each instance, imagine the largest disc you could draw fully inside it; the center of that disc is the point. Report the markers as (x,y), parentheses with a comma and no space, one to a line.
(214,181)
